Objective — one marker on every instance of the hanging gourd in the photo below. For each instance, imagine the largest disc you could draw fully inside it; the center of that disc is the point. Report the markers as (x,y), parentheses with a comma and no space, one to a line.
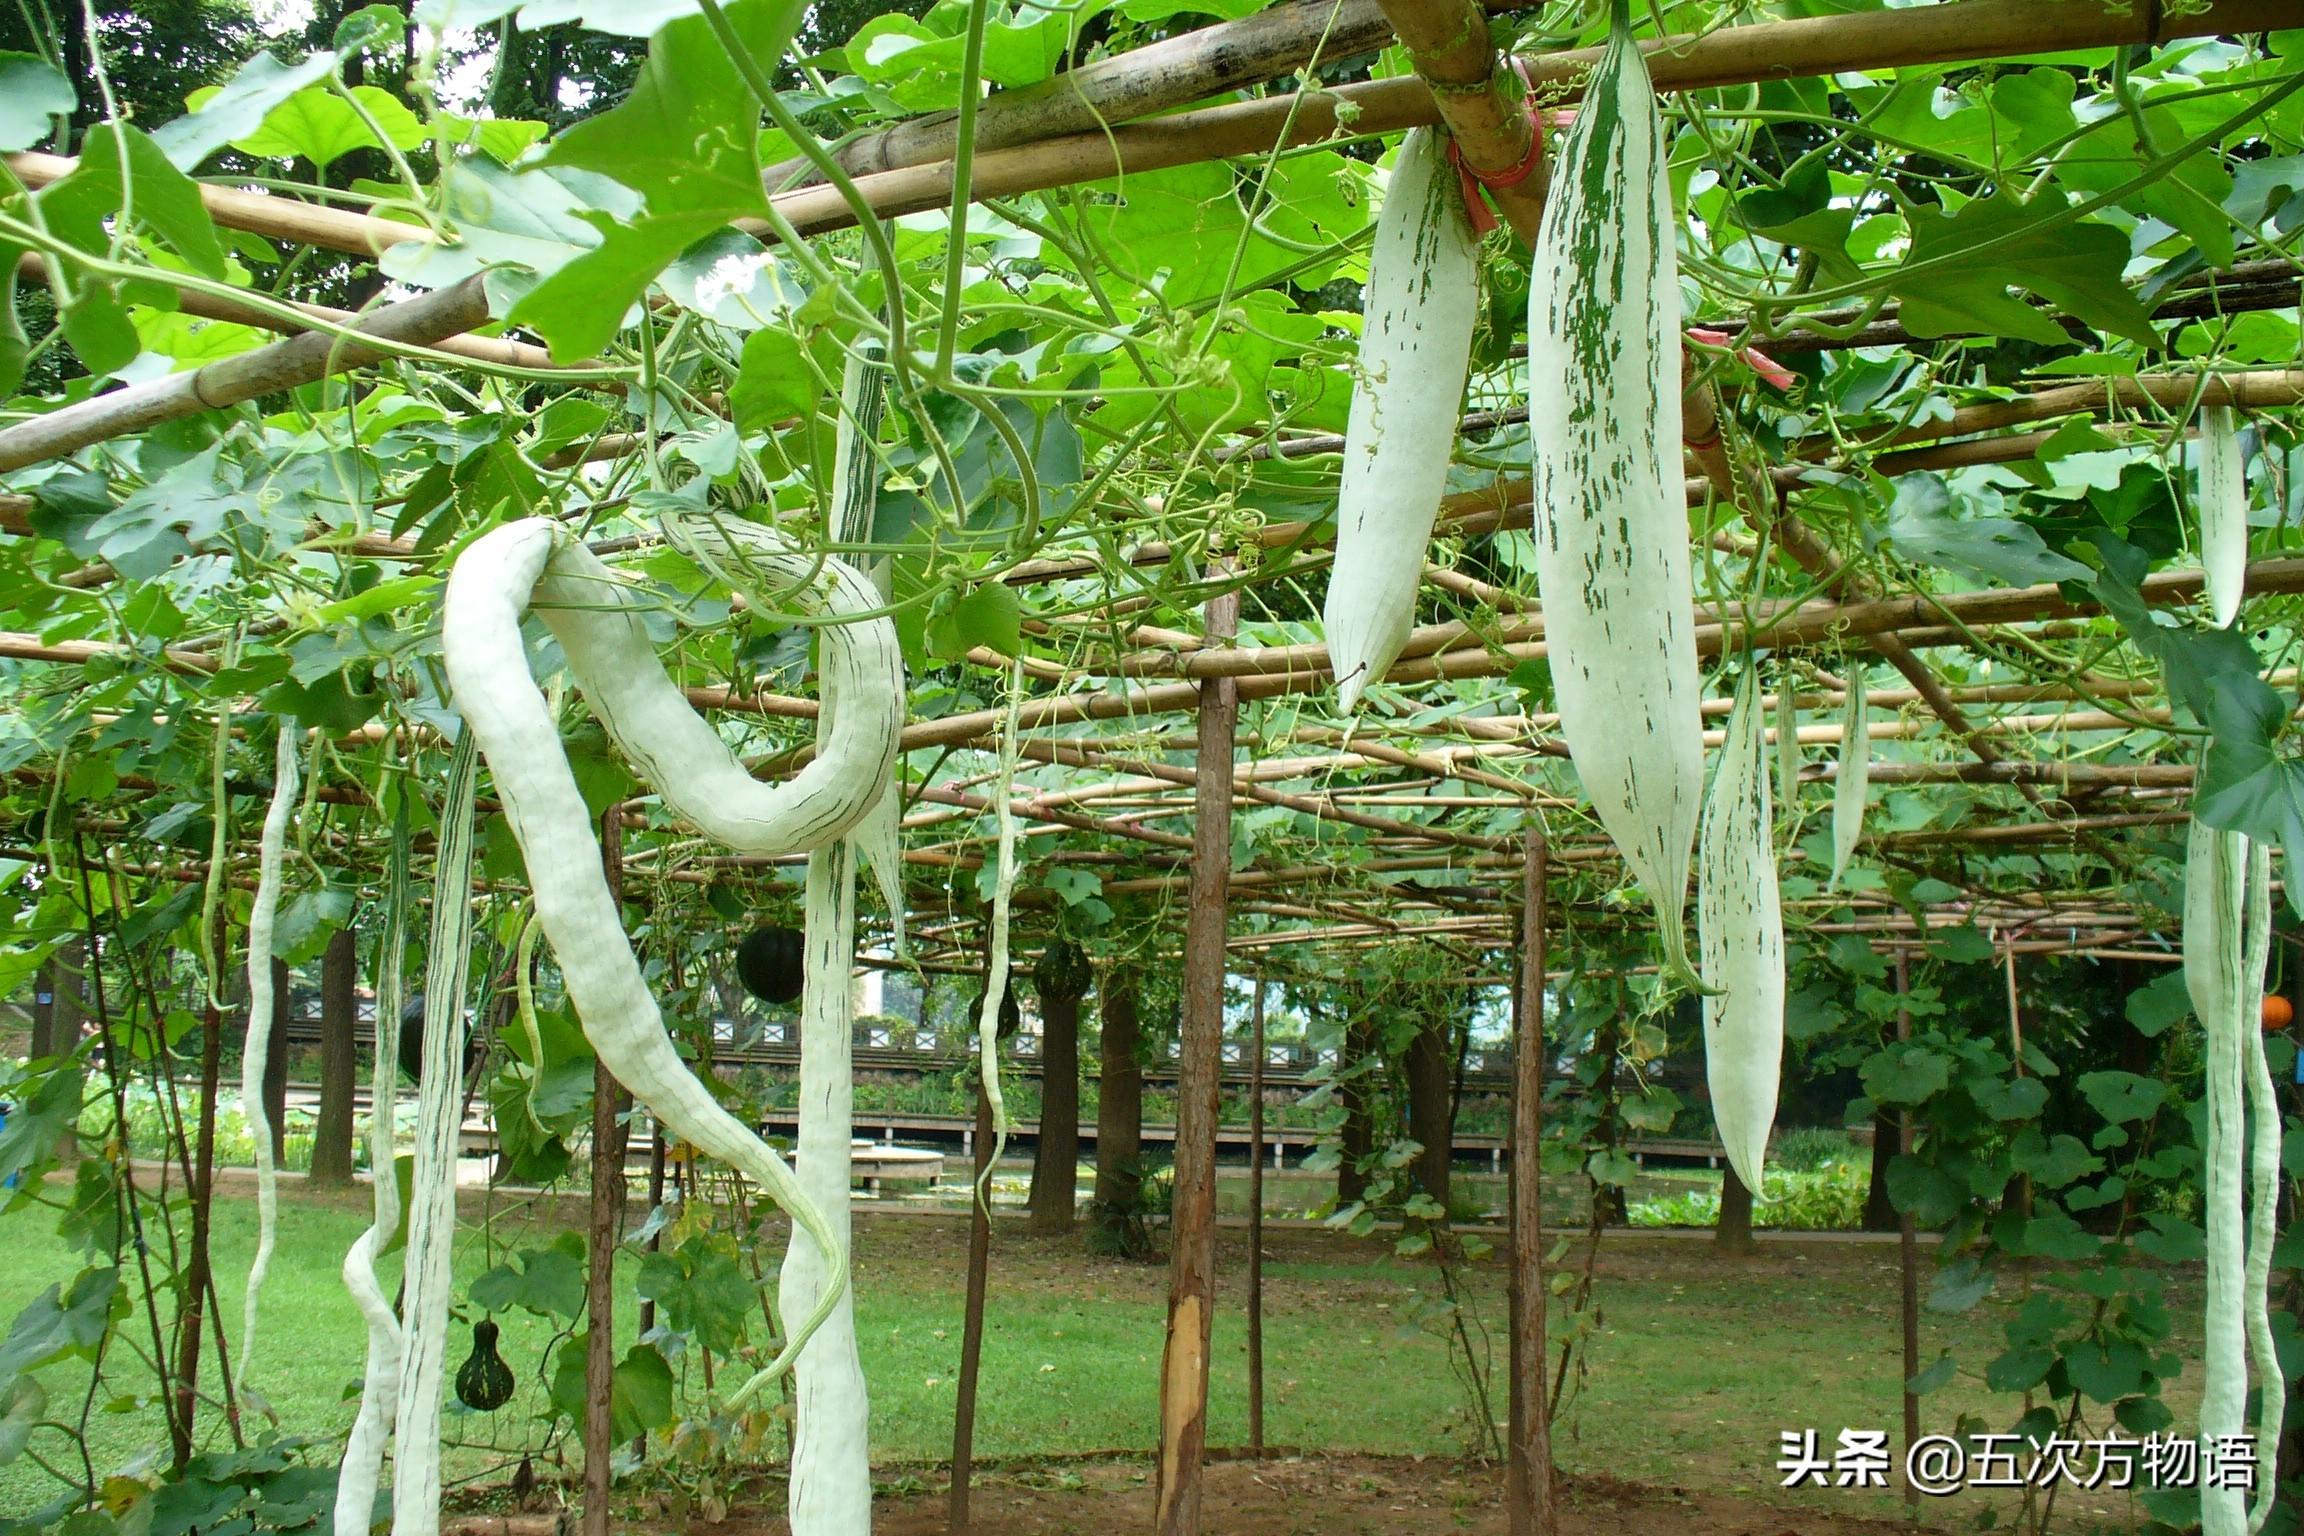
(770,964)
(1417,313)
(484,1382)
(1611,513)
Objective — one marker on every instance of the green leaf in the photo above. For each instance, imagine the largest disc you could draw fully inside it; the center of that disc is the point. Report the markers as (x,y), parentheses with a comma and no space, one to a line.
(238,107)
(1938,1374)
(2122,1096)
(989,616)
(1926,522)
(26,1403)
(703,1291)
(318,125)
(60,1321)
(1962,265)
(32,94)
(1905,1074)
(773,381)
(546,1281)
(2012,1098)
(2159,1003)
(2053,1164)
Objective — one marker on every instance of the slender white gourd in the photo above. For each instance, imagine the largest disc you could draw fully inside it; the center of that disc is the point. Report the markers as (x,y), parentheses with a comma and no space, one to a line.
(263,917)
(879,837)
(831,1483)
(2223,514)
(1422,298)
(429,1282)
(1740,934)
(1787,744)
(1611,517)
(2215,878)
(616,667)
(831,1488)
(1003,898)
(1852,780)
(2263,1185)
(359,1474)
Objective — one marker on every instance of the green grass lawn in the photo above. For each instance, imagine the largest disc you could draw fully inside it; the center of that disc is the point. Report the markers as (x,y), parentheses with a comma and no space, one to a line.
(1699,1363)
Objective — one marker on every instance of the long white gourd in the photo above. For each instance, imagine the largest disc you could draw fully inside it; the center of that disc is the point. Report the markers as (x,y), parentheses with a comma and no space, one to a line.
(2215,878)
(428,1276)
(1422,298)
(615,666)
(1787,744)
(1740,937)
(1611,516)
(2223,514)
(1852,780)
(830,1490)
(830,1493)
(256,1055)
(2263,1107)
(879,837)
(361,1471)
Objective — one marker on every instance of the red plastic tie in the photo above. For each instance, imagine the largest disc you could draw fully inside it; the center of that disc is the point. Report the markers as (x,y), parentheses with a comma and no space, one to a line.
(1761,363)
(1473,180)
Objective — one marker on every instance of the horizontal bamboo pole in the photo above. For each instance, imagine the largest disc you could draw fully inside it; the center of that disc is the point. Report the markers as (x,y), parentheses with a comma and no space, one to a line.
(1744,55)
(229,381)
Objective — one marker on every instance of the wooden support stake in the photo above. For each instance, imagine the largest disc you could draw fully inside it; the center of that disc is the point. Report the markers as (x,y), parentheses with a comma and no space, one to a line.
(1199,1065)
(1908,1255)
(1256,1223)
(1528,1454)
(607,1210)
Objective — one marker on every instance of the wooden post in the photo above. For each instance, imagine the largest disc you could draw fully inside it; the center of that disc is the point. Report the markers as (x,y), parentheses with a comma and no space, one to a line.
(1199,1064)
(1528,1458)
(1256,1223)
(607,1210)
(1908,1255)
(972,1320)
(339,1060)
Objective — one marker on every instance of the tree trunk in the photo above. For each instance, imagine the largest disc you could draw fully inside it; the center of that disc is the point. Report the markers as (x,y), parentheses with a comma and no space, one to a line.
(1199,1070)
(56,1002)
(1056,1160)
(276,1064)
(1119,1114)
(1431,1117)
(1734,1234)
(1879,1210)
(339,1061)
(1357,1140)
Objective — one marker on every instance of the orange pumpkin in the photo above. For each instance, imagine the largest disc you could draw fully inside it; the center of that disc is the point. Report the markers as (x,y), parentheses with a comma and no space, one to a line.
(2278,1011)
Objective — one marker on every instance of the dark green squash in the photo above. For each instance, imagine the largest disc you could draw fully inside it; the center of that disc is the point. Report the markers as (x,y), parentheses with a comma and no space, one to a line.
(484,1382)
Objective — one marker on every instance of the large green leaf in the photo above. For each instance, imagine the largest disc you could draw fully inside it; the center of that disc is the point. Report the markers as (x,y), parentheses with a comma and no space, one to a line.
(32,95)
(1963,265)
(1927,522)
(238,107)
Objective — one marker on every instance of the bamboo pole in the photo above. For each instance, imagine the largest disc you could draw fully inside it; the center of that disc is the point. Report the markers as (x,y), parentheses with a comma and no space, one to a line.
(1256,1222)
(268,370)
(1825,45)
(606,1215)
(1482,100)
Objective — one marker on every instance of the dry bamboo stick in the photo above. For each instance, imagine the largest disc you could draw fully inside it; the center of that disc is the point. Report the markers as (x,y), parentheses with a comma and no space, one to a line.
(267,370)
(1482,100)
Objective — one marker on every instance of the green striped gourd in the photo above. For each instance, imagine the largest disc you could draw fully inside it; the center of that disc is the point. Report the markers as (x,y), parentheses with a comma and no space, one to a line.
(1611,517)
(2223,514)
(1415,343)
(1740,938)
